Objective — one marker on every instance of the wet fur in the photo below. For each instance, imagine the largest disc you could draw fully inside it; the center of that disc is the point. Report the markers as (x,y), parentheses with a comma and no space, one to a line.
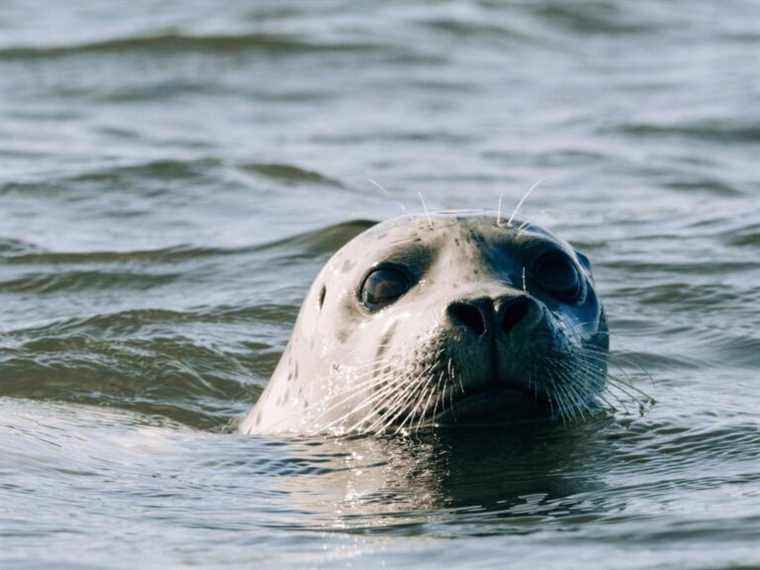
(405,382)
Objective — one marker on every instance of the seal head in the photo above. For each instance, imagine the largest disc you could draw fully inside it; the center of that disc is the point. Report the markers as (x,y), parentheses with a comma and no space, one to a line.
(441,319)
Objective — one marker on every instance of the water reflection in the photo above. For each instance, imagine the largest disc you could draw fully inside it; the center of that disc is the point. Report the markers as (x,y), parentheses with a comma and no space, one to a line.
(526,472)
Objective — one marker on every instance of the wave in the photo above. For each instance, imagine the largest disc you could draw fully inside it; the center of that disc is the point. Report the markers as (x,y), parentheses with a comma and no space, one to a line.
(154,170)
(150,361)
(317,242)
(596,18)
(172,42)
(172,254)
(289,174)
(69,281)
(748,235)
(160,361)
(9,246)
(708,130)
(322,241)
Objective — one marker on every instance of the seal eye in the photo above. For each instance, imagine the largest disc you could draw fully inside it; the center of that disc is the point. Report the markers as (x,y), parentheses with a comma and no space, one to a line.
(383,286)
(557,275)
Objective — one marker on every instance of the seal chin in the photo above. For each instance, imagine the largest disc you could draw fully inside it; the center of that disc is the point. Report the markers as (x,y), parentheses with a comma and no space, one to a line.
(496,404)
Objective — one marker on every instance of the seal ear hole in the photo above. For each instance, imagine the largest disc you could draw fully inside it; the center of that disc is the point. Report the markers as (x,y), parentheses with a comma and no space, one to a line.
(322,294)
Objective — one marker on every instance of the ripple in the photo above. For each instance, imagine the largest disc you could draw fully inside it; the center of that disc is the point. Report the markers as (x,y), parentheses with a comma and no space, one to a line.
(477,29)
(174,377)
(397,136)
(685,297)
(326,240)
(15,247)
(168,43)
(597,17)
(140,178)
(708,130)
(734,350)
(76,281)
(169,255)
(707,267)
(705,184)
(290,174)
(667,447)
(748,235)
(317,242)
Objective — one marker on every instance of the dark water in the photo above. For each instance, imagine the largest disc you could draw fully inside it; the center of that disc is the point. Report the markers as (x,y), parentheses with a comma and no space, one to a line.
(173,175)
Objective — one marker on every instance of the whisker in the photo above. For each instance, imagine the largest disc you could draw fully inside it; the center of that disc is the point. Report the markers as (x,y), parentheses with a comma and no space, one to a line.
(425,209)
(390,416)
(388,194)
(521,202)
(426,407)
(414,406)
(387,390)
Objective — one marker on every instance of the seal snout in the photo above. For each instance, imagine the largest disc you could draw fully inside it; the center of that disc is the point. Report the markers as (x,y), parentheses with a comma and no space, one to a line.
(485,315)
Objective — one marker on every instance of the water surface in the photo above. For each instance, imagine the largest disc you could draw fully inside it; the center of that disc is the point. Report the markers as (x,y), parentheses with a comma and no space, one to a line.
(173,176)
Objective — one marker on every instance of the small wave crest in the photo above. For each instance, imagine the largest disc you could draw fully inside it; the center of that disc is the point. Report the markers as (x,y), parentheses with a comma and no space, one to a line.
(174,42)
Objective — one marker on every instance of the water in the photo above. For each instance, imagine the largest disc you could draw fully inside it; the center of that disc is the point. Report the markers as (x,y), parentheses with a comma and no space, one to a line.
(174,175)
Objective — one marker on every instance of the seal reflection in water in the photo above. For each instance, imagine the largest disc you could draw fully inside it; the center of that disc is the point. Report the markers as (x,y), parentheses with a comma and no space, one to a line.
(449,318)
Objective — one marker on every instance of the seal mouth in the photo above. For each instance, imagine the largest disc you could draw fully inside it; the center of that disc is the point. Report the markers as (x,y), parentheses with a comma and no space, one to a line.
(497,402)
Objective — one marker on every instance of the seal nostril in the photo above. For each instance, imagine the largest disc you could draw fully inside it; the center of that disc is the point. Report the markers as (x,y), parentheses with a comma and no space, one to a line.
(468,316)
(513,311)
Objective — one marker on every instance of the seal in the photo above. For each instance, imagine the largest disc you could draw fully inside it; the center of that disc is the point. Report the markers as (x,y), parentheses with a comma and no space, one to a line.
(445,318)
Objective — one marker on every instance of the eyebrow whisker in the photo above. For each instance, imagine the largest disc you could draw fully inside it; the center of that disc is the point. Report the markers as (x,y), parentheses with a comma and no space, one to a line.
(425,208)
(498,211)
(377,185)
(522,201)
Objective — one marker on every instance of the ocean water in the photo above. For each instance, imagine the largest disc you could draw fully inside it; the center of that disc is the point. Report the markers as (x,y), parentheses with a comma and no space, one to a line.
(174,174)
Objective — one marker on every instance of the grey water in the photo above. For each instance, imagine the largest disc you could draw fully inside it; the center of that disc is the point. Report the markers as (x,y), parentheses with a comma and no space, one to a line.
(173,175)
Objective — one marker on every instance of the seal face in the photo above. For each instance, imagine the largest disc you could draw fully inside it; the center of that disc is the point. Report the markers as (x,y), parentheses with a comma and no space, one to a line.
(448,318)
